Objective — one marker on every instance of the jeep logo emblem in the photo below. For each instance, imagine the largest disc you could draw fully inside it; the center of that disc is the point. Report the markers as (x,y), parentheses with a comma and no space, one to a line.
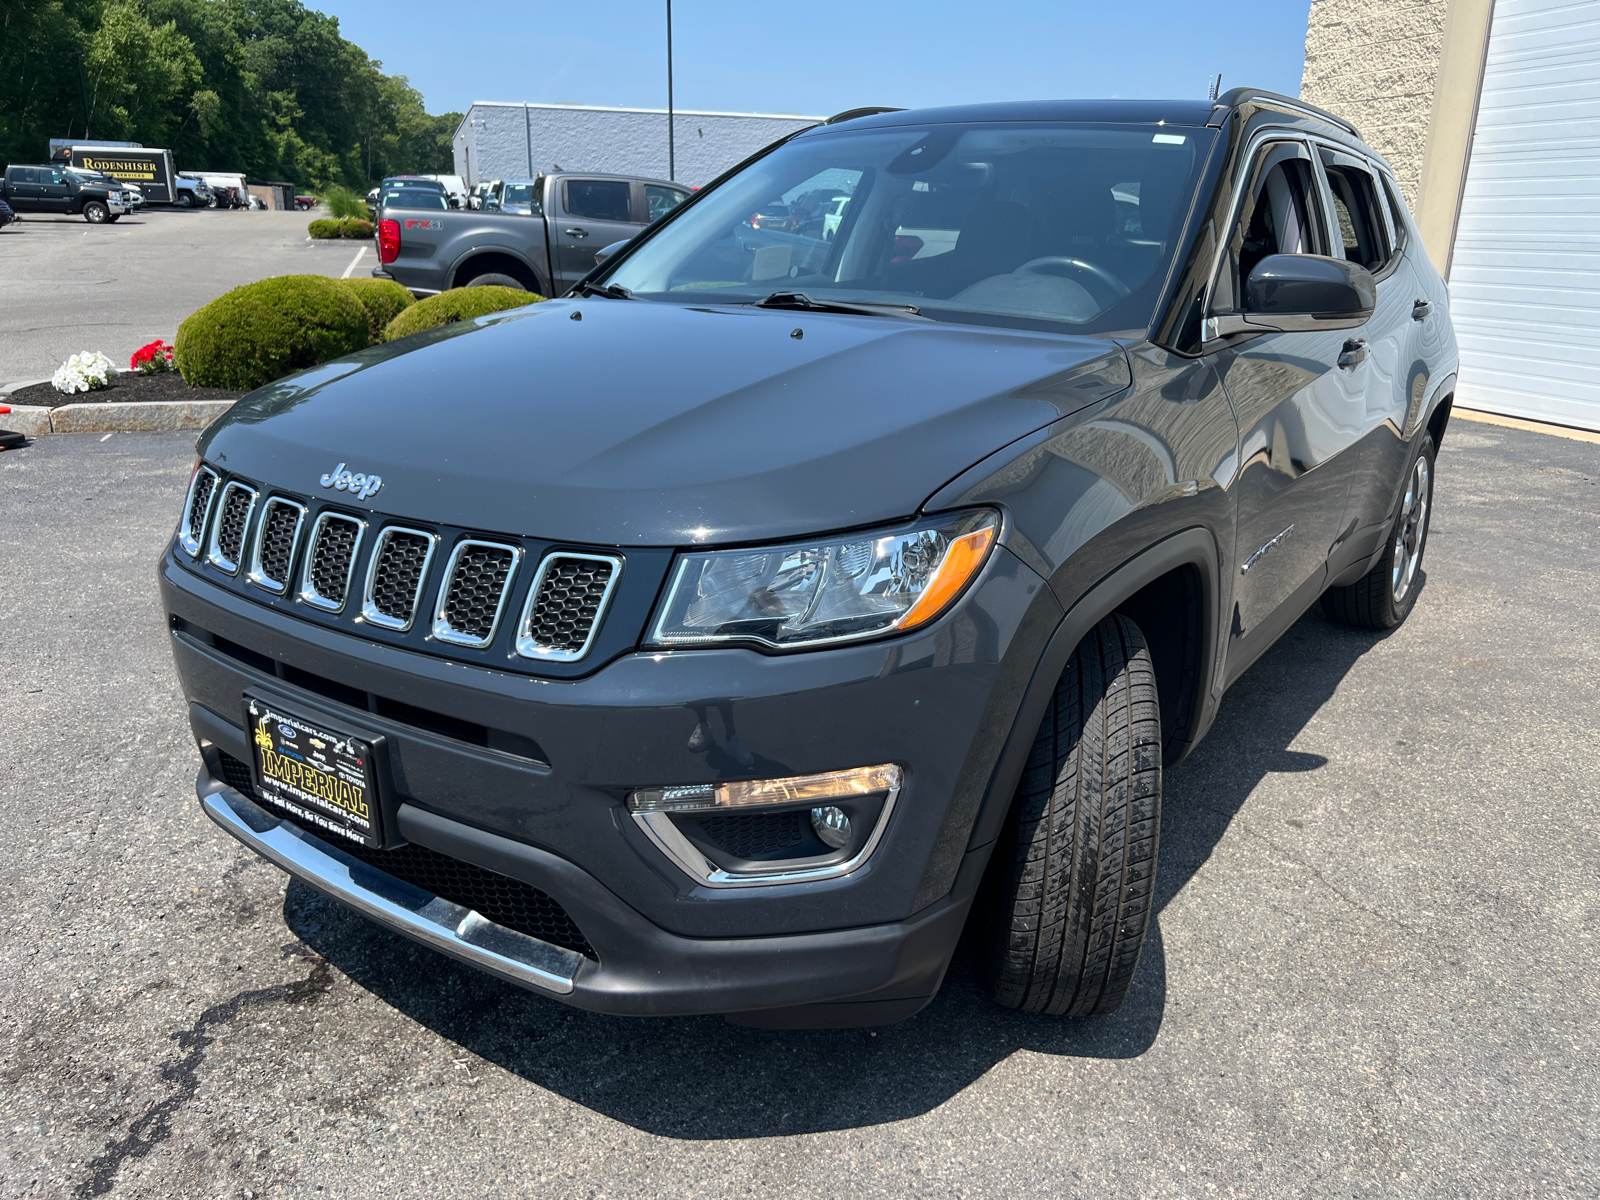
(359,486)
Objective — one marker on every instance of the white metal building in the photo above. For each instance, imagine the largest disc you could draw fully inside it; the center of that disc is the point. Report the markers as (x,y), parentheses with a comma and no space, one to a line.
(1489,111)
(1525,269)
(497,140)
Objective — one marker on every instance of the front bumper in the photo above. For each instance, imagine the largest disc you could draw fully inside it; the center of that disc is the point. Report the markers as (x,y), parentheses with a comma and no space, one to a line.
(885,973)
(940,703)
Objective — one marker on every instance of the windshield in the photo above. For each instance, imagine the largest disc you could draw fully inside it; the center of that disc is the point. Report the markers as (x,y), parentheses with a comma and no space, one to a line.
(1033,225)
(414,198)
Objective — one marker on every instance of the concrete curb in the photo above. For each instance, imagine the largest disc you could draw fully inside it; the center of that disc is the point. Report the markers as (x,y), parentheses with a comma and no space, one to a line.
(140,416)
(143,416)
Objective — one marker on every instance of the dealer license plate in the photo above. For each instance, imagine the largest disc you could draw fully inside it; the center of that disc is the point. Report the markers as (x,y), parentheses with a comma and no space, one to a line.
(318,775)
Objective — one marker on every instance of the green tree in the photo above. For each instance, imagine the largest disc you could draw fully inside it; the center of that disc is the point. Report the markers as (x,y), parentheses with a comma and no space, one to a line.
(267,87)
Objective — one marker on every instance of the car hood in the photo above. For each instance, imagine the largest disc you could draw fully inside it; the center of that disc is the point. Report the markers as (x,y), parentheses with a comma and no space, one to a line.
(642,423)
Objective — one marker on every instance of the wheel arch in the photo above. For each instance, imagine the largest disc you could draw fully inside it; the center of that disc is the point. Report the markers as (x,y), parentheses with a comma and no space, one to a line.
(1178,577)
(478,262)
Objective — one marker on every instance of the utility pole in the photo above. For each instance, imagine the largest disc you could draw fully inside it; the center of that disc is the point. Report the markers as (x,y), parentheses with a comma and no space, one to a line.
(672,163)
(83,91)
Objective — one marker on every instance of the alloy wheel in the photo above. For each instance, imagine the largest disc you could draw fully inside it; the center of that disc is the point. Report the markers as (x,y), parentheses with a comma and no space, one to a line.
(1413,528)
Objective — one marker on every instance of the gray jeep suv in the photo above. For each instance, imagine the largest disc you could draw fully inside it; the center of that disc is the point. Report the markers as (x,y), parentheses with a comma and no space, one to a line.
(803,589)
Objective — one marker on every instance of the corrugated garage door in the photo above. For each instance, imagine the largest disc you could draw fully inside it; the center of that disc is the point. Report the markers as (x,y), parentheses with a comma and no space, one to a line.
(1525,278)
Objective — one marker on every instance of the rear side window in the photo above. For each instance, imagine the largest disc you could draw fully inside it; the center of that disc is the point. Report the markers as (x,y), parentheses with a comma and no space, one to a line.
(1355,203)
(23,175)
(662,200)
(598,199)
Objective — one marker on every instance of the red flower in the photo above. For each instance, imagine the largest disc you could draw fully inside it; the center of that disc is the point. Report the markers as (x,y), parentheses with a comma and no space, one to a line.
(157,356)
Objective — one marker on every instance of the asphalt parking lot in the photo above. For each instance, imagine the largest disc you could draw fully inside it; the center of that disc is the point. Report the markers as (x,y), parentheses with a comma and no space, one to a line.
(66,285)
(1373,970)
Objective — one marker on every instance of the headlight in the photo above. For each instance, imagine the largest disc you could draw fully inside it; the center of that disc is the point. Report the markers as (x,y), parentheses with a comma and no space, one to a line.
(820,592)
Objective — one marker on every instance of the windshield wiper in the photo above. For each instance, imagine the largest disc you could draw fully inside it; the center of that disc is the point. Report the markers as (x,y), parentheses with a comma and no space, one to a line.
(799,300)
(610,291)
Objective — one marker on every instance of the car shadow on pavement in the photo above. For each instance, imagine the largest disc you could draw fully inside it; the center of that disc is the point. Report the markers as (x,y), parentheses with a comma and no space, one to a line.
(700,1077)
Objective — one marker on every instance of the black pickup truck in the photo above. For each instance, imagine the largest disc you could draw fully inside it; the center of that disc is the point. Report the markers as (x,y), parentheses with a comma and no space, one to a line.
(56,189)
(546,249)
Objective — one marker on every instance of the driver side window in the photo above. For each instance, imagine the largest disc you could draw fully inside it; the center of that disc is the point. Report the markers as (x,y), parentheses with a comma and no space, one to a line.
(1278,216)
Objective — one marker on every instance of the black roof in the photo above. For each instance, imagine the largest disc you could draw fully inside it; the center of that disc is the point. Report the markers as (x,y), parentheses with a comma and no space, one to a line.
(1132,112)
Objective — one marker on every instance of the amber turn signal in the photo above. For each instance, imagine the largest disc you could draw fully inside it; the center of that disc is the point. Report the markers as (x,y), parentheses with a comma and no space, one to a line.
(961,564)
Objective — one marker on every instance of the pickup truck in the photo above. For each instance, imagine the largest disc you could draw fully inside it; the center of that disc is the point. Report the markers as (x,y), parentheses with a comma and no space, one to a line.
(545,250)
(55,189)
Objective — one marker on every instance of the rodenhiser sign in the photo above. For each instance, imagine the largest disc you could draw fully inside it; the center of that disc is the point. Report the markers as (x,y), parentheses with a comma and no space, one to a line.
(150,169)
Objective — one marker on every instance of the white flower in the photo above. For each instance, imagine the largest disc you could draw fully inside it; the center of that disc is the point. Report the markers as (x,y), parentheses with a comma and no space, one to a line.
(82,373)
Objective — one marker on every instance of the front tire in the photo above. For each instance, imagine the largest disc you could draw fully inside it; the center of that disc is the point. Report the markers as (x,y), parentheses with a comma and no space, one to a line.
(1385,595)
(95,213)
(1071,888)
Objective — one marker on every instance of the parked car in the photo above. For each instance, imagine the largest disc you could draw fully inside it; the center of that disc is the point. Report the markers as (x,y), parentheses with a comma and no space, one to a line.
(192,193)
(454,187)
(53,189)
(6,215)
(305,202)
(546,249)
(773,608)
(426,191)
(135,193)
(228,189)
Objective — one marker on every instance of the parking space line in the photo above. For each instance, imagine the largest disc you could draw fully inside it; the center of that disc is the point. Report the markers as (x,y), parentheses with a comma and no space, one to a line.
(354,262)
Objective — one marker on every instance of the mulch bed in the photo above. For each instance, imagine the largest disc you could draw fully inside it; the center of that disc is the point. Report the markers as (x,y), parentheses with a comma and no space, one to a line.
(124,389)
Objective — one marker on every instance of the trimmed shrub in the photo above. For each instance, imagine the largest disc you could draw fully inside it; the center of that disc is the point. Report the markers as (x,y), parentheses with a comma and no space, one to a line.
(384,299)
(458,304)
(265,330)
(349,227)
(342,202)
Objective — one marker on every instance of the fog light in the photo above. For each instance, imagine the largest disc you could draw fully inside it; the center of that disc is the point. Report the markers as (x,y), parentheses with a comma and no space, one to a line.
(707,797)
(832,826)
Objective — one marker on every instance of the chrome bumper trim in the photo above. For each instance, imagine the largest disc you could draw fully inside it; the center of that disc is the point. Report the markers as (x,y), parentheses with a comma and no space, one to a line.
(432,920)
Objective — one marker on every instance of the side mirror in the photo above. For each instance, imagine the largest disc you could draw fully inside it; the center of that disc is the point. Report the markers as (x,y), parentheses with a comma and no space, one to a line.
(1301,292)
(606,252)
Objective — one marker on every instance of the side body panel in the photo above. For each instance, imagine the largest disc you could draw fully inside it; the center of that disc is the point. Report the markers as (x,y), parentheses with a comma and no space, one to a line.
(574,239)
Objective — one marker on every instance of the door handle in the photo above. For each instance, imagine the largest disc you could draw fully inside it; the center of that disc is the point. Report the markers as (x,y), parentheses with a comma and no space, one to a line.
(1420,310)
(1353,354)
(576,232)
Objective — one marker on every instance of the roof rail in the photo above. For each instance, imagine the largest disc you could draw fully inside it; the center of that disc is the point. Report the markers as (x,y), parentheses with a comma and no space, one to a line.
(850,114)
(1239,95)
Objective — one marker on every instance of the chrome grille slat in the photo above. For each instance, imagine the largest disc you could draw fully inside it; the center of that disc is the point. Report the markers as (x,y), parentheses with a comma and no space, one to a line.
(395,576)
(566,604)
(331,560)
(477,581)
(196,508)
(277,539)
(232,527)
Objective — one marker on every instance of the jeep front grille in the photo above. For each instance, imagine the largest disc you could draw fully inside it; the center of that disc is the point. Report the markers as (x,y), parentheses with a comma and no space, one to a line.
(476,582)
(202,490)
(276,541)
(394,577)
(330,560)
(233,522)
(565,605)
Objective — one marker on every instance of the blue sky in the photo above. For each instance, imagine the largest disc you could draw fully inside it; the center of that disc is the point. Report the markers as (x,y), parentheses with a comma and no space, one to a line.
(818,57)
